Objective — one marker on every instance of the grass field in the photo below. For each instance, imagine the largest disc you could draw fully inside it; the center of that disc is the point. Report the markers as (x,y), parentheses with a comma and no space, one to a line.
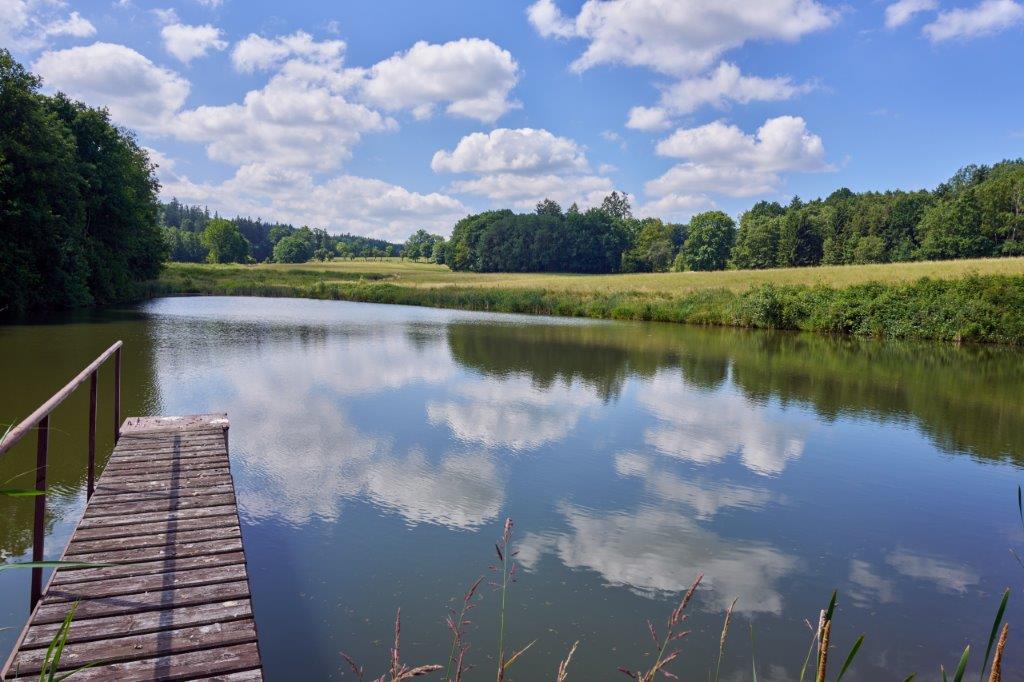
(969,300)
(416,274)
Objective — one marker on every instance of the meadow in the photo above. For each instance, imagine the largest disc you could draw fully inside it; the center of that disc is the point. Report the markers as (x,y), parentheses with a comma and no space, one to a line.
(423,274)
(978,300)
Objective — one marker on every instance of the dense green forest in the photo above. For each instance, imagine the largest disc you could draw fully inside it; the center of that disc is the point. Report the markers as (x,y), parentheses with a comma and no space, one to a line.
(78,201)
(979,212)
(194,236)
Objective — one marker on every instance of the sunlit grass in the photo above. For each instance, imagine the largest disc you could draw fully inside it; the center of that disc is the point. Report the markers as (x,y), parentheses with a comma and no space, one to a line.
(421,274)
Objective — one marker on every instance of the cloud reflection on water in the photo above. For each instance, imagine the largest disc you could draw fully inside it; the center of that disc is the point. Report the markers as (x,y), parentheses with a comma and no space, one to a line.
(512,411)
(656,552)
(705,427)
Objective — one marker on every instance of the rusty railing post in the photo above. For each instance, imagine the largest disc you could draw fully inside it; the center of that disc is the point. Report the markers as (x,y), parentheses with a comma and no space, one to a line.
(91,475)
(39,525)
(117,395)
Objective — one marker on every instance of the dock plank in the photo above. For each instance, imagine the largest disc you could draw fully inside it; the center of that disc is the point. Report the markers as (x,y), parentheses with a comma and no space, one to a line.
(171,600)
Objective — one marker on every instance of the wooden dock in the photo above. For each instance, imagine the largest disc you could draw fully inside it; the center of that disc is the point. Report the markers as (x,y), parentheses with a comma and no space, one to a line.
(172,601)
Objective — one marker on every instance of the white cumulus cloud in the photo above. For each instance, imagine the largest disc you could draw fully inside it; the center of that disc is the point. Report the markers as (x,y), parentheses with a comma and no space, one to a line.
(902,11)
(191,42)
(138,93)
(524,191)
(987,17)
(727,84)
(510,150)
(721,158)
(677,37)
(519,167)
(648,118)
(29,24)
(471,77)
(675,206)
(549,20)
(255,53)
(719,88)
(343,203)
(304,117)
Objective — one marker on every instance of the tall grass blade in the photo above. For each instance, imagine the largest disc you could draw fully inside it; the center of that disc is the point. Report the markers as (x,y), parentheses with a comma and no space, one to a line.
(721,639)
(54,652)
(1020,505)
(514,657)
(910,677)
(563,667)
(53,564)
(21,492)
(958,676)
(831,605)
(807,659)
(850,657)
(753,655)
(995,625)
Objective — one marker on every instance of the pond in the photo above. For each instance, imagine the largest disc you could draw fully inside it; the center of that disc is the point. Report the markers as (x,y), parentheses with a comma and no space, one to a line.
(377,451)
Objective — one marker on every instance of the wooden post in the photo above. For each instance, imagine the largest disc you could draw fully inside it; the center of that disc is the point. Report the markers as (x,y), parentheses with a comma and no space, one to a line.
(117,395)
(91,476)
(39,525)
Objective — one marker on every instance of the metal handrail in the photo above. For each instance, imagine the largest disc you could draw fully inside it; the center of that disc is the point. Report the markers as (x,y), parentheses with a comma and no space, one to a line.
(40,420)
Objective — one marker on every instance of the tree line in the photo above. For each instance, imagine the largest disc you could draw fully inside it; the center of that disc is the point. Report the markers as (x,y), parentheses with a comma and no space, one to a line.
(192,235)
(979,212)
(78,201)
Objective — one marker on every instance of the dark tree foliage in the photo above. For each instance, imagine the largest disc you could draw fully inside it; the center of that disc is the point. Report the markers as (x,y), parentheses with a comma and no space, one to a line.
(708,243)
(184,224)
(184,246)
(617,206)
(224,242)
(502,241)
(549,207)
(78,208)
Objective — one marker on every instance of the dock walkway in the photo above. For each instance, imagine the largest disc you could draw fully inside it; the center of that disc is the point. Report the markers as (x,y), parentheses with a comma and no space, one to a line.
(172,600)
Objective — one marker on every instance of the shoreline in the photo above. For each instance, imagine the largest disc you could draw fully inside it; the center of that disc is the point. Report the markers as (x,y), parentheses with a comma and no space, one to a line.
(970,309)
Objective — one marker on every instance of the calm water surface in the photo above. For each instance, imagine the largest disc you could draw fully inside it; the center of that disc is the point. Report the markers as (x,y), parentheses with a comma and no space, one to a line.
(378,449)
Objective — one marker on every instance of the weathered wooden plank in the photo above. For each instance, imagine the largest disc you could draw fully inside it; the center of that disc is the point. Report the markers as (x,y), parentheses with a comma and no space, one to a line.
(95,589)
(165,487)
(157,438)
(144,601)
(121,472)
(154,540)
(163,552)
(169,449)
(160,504)
(131,528)
(161,439)
(186,666)
(67,576)
(154,495)
(201,479)
(174,440)
(135,647)
(140,623)
(168,481)
(193,422)
(149,517)
(168,452)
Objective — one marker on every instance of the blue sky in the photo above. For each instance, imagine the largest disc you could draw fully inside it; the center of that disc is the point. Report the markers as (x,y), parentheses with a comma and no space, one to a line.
(380,118)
